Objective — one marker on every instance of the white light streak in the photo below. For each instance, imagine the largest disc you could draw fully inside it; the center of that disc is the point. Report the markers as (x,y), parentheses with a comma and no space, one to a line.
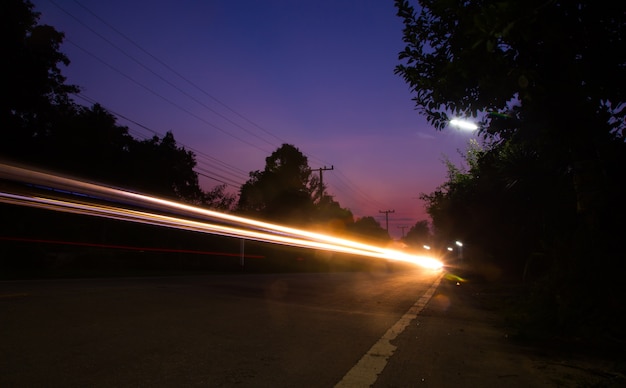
(86,194)
(463,124)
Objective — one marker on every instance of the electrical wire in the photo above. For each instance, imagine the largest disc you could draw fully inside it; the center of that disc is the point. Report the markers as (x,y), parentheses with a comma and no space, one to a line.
(344,185)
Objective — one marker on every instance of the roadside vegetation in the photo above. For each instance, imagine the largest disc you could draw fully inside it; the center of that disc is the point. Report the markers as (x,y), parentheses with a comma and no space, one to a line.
(540,199)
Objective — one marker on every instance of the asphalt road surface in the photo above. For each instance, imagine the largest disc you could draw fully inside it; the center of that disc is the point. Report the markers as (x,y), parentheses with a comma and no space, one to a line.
(248,330)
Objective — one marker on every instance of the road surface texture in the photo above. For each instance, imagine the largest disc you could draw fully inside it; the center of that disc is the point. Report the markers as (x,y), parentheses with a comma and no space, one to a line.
(460,340)
(380,329)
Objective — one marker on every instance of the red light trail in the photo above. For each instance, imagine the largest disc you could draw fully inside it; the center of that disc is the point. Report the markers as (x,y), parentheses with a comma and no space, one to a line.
(78,197)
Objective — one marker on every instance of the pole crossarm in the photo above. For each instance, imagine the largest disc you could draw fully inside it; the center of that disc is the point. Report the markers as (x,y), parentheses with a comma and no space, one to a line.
(321,169)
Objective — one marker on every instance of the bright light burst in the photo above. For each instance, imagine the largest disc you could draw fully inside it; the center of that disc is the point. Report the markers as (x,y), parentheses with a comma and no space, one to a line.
(464,124)
(85,196)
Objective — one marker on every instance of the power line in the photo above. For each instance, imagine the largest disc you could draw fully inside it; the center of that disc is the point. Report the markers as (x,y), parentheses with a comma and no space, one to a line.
(206,172)
(340,177)
(165,98)
(387,217)
(145,67)
(185,79)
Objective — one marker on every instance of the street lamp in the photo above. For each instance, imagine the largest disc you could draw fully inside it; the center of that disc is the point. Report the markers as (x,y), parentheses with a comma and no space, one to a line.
(463,124)
(460,245)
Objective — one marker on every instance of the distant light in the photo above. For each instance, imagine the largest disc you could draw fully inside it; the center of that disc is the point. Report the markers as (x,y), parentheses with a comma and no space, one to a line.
(458,243)
(426,247)
(463,124)
(450,249)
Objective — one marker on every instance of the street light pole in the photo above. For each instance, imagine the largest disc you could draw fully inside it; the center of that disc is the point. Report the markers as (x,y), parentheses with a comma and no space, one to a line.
(460,245)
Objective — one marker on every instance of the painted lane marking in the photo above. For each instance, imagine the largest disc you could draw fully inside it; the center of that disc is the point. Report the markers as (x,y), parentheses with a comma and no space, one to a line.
(366,371)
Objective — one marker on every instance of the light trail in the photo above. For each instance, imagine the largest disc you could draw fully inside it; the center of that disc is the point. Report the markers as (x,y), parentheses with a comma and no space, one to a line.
(128,247)
(84,197)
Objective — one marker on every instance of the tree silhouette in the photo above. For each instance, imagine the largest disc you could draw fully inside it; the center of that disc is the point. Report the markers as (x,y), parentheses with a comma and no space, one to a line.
(161,167)
(330,217)
(217,198)
(369,228)
(283,191)
(41,126)
(419,234)
(551,87)
(542,77)
(89,143)
(34,95)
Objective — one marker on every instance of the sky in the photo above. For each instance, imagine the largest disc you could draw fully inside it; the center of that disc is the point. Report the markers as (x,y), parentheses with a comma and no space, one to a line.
(234,80)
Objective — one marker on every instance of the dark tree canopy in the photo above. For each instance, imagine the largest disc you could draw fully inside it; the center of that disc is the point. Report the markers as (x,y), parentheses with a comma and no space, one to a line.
(162,167)
(538,73)
(88,143)
(34,93)
(419,234)
(287,190)
(368,227)
(41,126)
(330,217)
(283,191)
(546,80)
(562,58)
(543,77)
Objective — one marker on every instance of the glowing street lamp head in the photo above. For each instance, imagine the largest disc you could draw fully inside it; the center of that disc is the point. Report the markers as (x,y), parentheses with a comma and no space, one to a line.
(463,124)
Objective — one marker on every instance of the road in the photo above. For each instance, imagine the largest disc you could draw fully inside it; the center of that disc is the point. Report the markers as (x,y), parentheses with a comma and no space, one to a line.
(245,330)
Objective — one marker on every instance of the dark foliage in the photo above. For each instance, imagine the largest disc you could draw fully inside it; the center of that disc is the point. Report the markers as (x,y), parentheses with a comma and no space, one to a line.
(286,191)
(540,203)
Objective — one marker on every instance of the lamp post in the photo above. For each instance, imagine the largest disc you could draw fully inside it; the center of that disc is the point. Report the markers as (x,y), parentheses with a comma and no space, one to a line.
(460,245)
(463,124)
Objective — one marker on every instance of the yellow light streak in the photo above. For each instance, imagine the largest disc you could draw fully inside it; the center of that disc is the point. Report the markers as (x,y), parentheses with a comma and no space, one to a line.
(230,225)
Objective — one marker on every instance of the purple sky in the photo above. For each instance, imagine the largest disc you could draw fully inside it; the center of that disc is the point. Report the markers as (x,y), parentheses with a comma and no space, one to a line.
(233,80)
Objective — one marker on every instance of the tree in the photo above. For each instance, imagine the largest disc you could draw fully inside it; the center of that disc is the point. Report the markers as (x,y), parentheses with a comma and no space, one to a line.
(419,234)
(283,191)
(331,217)
(41,125)
(89,143)
(368,227)
(34,95)
(502,206)
(546,71)
(161,167)
(541,76)
(219,199)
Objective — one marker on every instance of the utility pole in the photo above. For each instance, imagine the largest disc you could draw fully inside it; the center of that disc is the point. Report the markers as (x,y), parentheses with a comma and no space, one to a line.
(402,227)
(322,178)
(387,217)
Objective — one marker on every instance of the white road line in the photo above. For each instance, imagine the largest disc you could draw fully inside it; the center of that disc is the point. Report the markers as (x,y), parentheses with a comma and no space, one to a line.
(366,371)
